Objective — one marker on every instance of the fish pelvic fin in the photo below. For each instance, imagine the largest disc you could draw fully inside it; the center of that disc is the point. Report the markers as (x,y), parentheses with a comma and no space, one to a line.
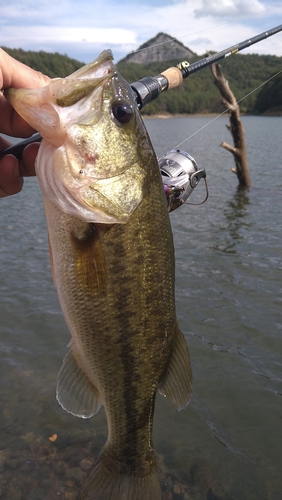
(104,483)
(75,393)
(176,384)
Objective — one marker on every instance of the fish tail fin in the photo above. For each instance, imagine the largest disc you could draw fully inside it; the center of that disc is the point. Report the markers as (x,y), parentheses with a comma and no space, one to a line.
(104,483)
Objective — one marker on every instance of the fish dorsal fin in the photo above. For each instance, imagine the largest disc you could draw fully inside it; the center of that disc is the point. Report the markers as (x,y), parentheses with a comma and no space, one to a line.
(75,393)
(176,384)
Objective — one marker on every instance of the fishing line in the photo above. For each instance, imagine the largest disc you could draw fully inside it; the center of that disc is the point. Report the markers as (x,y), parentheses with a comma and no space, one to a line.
(176,39)
(173,160)
(199,31)
(149,88)
(226,110)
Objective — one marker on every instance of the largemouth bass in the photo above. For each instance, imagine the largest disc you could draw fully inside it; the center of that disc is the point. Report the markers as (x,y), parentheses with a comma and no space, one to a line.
(112,259)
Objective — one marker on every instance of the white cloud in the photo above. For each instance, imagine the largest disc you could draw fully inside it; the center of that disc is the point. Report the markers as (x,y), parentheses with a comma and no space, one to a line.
(43,34)
(82,29)
(223,8)
(80,43)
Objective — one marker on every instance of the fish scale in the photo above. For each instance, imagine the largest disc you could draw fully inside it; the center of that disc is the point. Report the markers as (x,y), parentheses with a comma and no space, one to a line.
(112,259)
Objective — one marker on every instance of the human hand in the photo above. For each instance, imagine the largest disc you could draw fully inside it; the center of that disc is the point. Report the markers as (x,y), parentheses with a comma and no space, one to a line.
(17,75)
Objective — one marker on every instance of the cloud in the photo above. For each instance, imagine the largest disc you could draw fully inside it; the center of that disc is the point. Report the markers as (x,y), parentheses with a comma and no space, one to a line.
(223,8)
(29,13)
(43,34)
(201,41)
(83,29)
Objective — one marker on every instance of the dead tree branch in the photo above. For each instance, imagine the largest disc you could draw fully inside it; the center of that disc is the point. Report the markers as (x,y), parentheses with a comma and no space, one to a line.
(236,128)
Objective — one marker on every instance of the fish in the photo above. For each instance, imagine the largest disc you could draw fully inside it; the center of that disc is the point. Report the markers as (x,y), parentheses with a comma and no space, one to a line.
(113,266)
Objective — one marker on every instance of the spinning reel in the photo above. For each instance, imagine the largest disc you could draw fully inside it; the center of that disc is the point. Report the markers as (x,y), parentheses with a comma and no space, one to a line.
(180,174)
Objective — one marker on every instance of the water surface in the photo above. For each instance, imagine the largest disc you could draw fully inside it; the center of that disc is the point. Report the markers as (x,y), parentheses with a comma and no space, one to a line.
(228,443)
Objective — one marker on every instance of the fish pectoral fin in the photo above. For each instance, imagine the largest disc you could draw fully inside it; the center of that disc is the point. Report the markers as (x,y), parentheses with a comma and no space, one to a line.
(75,393)
(176,384)
(90,265)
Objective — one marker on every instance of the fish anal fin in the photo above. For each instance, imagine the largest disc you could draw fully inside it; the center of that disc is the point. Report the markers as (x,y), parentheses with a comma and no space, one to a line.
(75,393)
(106,483)
(89,260)
(176,383)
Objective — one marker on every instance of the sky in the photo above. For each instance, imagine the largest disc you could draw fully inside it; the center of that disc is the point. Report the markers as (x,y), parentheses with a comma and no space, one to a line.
(83,28)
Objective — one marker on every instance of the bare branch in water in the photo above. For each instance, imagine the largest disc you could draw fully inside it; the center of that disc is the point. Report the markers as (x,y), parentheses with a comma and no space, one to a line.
(236,128)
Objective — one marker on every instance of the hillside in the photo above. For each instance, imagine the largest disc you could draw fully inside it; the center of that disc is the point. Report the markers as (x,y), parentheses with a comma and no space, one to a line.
(160,48)
(269,100)
(51,64)
(198,94)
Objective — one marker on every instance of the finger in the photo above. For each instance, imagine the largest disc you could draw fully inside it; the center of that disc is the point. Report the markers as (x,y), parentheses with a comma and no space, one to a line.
(18,75)
(4,143)
(27,163)
(11,180)
(12,123)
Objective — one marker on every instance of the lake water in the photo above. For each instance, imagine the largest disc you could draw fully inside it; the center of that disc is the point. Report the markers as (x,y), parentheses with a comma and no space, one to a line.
(227,445)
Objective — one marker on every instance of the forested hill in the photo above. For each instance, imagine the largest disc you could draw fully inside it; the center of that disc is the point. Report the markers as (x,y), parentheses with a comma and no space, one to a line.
(51,64)
(198,94)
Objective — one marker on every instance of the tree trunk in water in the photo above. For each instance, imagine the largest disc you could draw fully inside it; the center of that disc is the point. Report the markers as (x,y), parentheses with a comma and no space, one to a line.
(235,127)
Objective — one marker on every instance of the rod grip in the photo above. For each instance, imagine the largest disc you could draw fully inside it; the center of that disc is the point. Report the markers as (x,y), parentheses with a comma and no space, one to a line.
(174,77)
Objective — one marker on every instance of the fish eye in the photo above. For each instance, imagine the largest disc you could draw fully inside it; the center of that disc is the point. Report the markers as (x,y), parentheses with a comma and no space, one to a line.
(122,111)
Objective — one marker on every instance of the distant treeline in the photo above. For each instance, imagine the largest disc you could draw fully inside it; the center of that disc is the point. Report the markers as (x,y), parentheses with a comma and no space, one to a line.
(51,64)
(198,94)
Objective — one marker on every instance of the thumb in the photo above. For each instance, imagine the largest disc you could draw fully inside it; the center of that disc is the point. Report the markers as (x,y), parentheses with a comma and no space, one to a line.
(11,181)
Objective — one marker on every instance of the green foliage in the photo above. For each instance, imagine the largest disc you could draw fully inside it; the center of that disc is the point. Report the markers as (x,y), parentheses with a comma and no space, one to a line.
(51,64)
(269,99)
(198,94)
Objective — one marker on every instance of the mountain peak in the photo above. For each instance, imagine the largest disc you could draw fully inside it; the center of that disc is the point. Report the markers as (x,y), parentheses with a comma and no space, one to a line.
(160,48)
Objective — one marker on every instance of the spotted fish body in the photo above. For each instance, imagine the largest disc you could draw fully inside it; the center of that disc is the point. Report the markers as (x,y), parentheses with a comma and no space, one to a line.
(112,259)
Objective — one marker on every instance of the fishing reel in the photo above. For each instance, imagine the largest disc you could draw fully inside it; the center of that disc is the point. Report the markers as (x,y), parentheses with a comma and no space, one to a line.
(180,174)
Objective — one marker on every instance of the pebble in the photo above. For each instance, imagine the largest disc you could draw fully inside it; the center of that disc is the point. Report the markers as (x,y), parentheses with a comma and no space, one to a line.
(35,467)
(85,464)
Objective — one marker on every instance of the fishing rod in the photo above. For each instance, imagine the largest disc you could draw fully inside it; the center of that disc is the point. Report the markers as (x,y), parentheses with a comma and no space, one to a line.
(149,88)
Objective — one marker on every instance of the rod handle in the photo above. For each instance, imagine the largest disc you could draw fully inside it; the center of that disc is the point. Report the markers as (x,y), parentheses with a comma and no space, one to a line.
(174,77)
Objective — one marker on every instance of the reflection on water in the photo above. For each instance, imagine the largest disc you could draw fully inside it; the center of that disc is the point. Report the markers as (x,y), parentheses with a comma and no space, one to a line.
(237,209)
(227,444)
(235,213)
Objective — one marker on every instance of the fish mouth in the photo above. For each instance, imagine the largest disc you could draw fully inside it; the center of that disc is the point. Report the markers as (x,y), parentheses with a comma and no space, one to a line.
(48,109)
(87,121)
(96,67)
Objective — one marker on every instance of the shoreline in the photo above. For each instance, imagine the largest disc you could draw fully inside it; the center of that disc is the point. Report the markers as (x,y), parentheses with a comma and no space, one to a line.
(165,116)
